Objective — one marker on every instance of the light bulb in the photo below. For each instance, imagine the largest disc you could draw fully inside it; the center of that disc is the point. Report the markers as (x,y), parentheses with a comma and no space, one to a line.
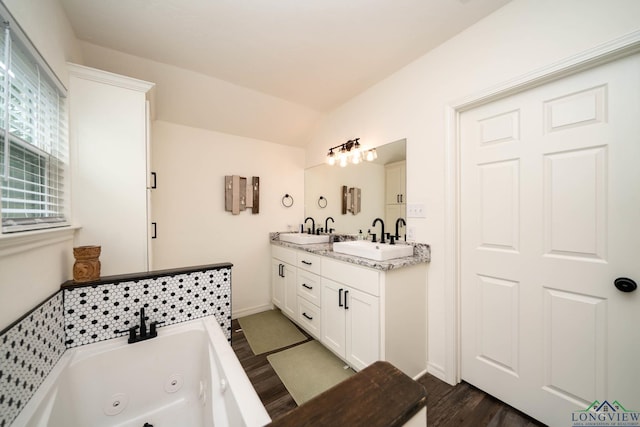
(371,155)
(331,158)
(356,157)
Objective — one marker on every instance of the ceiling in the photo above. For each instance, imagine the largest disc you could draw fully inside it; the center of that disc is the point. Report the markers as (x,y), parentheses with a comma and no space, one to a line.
(315,53)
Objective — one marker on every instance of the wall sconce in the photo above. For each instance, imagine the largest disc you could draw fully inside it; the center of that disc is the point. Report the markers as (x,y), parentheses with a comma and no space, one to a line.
(350,152)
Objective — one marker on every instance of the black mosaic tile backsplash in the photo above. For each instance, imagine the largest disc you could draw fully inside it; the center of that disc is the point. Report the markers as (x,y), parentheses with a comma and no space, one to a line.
(75,316)
(94,313)
(28,352)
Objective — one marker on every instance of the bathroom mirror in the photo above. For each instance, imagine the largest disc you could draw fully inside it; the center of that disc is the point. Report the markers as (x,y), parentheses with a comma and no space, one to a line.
(369,177)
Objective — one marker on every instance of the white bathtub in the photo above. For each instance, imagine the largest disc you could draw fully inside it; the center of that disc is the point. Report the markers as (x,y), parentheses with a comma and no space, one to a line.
(188,376)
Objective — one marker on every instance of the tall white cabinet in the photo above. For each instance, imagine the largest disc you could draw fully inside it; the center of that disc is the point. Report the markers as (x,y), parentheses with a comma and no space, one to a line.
(395,193)
(109,165)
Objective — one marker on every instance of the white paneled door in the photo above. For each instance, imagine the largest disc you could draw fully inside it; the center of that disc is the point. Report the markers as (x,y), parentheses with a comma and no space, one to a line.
(550,217)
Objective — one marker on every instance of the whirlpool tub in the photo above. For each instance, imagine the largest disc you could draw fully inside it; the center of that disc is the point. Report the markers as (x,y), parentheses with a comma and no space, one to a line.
(188,376)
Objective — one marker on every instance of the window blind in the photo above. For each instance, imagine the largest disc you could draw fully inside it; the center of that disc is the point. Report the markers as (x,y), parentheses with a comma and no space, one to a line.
(33,138)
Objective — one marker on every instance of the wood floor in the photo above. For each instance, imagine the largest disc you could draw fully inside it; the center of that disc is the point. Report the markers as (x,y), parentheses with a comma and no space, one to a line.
(447,406)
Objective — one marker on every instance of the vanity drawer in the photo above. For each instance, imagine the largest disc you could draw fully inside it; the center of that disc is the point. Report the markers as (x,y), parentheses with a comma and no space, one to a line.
(309,262)
(309,317)
(361,278)
(309,286)
(284,254)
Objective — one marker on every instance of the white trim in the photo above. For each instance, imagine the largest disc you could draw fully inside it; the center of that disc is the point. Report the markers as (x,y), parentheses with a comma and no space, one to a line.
(450,372)
(13,243)
(419,375)
(236,314)
(606,52)
(598,55)
(106,77)
(438,372)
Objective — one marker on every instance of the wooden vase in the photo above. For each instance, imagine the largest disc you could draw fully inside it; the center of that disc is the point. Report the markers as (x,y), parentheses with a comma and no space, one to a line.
(87,265)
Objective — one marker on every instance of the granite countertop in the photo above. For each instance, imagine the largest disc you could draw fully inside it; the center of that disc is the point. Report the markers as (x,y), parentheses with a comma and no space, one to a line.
(421,253)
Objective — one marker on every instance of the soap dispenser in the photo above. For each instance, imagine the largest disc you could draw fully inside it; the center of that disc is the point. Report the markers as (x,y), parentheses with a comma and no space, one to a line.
(360,235)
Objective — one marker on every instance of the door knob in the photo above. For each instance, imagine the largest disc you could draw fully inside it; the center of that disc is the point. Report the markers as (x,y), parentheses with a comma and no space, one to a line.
(624,284)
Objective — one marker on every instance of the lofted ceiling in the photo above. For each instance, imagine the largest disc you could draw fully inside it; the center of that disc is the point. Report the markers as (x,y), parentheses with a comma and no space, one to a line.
(314,53)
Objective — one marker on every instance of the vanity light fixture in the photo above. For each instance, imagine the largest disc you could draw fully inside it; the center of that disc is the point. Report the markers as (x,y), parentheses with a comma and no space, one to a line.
(371,155)
(349,152)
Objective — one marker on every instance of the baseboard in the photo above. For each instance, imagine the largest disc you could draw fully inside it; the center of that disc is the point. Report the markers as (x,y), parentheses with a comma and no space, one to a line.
(420,374)
(437,371)
(249,311)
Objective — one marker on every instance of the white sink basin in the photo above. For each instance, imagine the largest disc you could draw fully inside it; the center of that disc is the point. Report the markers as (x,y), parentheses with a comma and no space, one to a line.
(304,239)
(374,251)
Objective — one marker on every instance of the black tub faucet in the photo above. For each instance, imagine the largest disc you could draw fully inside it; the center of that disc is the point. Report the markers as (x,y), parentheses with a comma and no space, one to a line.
(144,334)
(382,230)
(313,224)
(143,325)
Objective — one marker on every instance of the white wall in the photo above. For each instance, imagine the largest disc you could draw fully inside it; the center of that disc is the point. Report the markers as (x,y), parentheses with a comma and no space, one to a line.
(30,274)
(188,205)
(523,36)
(47,26)
(191,161)
(193,99)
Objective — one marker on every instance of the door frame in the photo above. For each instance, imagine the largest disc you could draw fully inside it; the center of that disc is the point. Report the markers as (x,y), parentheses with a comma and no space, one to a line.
(598,55)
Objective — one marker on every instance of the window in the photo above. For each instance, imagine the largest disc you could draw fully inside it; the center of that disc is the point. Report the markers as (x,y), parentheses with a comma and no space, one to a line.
(33,137)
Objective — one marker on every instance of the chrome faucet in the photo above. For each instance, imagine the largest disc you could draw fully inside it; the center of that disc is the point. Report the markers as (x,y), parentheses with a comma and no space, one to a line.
(382,231)
(313,224)
(326,225)
(398,221)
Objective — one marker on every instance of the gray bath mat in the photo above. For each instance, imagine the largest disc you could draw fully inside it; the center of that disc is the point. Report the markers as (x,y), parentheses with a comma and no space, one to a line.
(308,369)
(269,330)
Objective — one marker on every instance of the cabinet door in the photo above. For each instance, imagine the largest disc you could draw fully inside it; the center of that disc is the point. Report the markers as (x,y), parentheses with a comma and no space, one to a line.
(277,283)
(362,328)
(395,174)
(333,316)
(290,305)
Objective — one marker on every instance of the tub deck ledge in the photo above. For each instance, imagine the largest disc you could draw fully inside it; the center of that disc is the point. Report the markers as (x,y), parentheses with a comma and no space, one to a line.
(378,396)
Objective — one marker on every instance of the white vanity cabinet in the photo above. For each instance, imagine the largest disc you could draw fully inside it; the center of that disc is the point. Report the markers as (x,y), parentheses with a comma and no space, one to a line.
(370,314)
(361,314)
(309,315)
(350,326)
(283,279)
(295,286)
(351,312)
